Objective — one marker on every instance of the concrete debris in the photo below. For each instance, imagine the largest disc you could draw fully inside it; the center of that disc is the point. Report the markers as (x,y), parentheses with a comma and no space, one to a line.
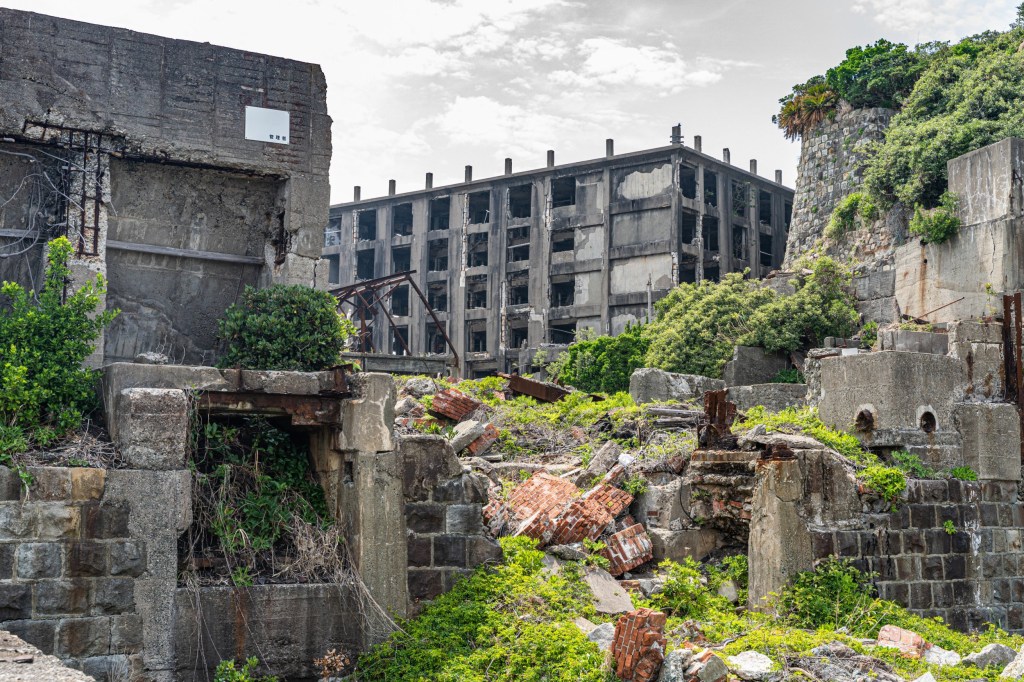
(151,358)
(673,668)
(837,662)
(602,636)
(465,433)
(22,662)
(406,405)
(707,667)
(609,597)
(603,460)
(909,643)
(649,385)
(572,552)
(730,591)
(927,677)
(941,657)
(1015,669)
(751,665)
(585,626)
(639,645)
(991,655)
(419,387)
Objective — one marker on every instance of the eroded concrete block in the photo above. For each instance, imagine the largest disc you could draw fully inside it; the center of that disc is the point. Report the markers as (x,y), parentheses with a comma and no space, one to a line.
(650,385)
(991,439)
(774,397)
(152,427)
(752,365)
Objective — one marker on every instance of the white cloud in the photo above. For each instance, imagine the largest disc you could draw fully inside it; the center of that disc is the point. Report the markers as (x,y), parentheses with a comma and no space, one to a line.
(924,20)
(613,62)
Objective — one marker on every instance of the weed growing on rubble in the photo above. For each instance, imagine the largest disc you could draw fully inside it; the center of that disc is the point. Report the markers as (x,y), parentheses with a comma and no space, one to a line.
(635,485)
(963,473)
(912,465)
(888,482)
(44,338)
(227,671)
(805,420)
(508,623)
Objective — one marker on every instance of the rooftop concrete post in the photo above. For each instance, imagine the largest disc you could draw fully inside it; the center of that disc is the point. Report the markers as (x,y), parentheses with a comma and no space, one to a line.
(430,180)
(677,134)
(391,188)
(356,192)
(469,174)
(726,156)
(551,158)
(609,147)
(753,166)
(508,166)
(697,143)
(778,177)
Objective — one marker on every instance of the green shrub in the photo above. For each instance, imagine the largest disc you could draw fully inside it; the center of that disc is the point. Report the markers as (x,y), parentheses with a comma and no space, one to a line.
(685,592)
(938,224)
(847,212)
(44,390)
(833,595)
(878,75)
(788,376)
(963,473)
(806,107)
(283,328)
(888,482)
(912,464)
(805,420)
(604,363)
(227,672)
(869,335)
(635,485)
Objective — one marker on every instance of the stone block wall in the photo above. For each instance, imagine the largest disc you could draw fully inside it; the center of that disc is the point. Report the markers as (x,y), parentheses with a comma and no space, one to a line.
(969,577)
(443,517)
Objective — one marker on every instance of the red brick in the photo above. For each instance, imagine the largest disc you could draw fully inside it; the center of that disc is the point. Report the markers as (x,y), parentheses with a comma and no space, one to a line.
(480,445)
(454,404)
(909,643)
(628,549)
(614,500)
(638,645)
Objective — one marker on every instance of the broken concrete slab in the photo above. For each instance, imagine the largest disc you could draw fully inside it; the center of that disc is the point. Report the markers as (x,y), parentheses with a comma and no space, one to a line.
(465,433)
(996,654)
(752,365)
(609,597)
(773,397)
(650,385)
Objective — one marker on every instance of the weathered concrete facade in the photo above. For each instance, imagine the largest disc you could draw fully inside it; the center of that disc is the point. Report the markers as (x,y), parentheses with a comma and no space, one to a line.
(135,147)
(529,258)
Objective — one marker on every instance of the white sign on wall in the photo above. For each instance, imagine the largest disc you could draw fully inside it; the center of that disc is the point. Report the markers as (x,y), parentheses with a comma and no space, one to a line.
(267,125)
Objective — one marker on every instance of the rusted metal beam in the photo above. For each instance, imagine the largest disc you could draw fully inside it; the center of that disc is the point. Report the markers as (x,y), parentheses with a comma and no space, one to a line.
(534,389)
(303,410)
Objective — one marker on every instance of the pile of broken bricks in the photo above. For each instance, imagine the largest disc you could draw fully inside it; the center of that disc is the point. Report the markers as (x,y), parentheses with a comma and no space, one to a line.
(554,511)
(471,433)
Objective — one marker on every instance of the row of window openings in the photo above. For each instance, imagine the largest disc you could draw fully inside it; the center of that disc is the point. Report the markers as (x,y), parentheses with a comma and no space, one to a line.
(740,192)
(476,336)
(478,205)
(740,234)
(563,293)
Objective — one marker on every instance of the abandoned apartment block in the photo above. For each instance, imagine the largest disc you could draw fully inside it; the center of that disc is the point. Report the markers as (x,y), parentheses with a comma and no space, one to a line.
(523,261)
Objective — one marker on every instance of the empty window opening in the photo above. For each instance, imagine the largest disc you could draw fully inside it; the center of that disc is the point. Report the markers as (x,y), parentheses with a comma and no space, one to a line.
(440,213)
(518,239)
(787,214)
(333,269)
(400,301)
(519,290)
(563,192)
(401,220)
(688,227)
(435,339)
(928,423)
(710,225)
(865,421)
(688,181)
(401,259)
(739,242)
(764,208)
(367,222)
(562,333)
(739,199)
(479,207)
(711,188)
(520,201)
(477,338)
(437,296)
(765,246)
(477,245)
(332,235)
(400,341)
(688,273)
(518,336)
(476,291)
(437,255)
(563,292)
(365,264)
(712,274)
(562,242)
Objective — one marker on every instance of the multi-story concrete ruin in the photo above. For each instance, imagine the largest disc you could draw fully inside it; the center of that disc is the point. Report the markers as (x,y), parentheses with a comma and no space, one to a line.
(525,259)
(182,171)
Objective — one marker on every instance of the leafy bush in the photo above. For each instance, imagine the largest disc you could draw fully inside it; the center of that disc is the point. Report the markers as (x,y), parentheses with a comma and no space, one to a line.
(227,672)
(635,485)
(283,328)
(878,75)
(938,224)
(889,482)
(507,623)
(699,325)
(685,592)
(846,213)
(44,390)
(833,595)
(912,464)
(963,473)
(869,335)
(805,420)
(604,363)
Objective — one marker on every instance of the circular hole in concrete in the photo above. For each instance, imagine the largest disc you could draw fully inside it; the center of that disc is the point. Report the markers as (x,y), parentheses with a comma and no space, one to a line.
(865,421)
(928,422)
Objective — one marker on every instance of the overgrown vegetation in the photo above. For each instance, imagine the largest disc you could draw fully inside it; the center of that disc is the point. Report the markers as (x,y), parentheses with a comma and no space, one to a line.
(283,328)
(888,482)
(506,623)
(788,376)
(228,671)
(604,363)
(258,511)
(936,225)
(44,391)
(845,216)
(699,325)
(805,420)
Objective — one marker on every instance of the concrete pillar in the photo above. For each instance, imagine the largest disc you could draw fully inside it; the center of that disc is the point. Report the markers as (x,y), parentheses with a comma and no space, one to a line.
(508,166)
(609,148)
(391,188)
(677,134)
(726,156)
(778,177)
(753,166)
(469,174)
(697,143)
(551,158)
(430,180)
(356,192)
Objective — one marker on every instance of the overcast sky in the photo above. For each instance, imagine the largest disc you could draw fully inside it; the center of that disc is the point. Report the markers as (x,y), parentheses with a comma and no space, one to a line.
(433,85)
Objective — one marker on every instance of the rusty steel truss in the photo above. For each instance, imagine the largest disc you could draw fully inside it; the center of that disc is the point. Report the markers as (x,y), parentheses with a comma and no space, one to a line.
(366,297)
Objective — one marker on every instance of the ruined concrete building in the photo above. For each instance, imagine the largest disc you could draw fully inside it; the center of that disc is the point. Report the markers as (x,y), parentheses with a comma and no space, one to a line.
(182,171)
(525,259)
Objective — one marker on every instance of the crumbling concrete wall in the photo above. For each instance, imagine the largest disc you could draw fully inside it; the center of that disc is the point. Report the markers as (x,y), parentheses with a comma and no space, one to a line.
(154,174)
